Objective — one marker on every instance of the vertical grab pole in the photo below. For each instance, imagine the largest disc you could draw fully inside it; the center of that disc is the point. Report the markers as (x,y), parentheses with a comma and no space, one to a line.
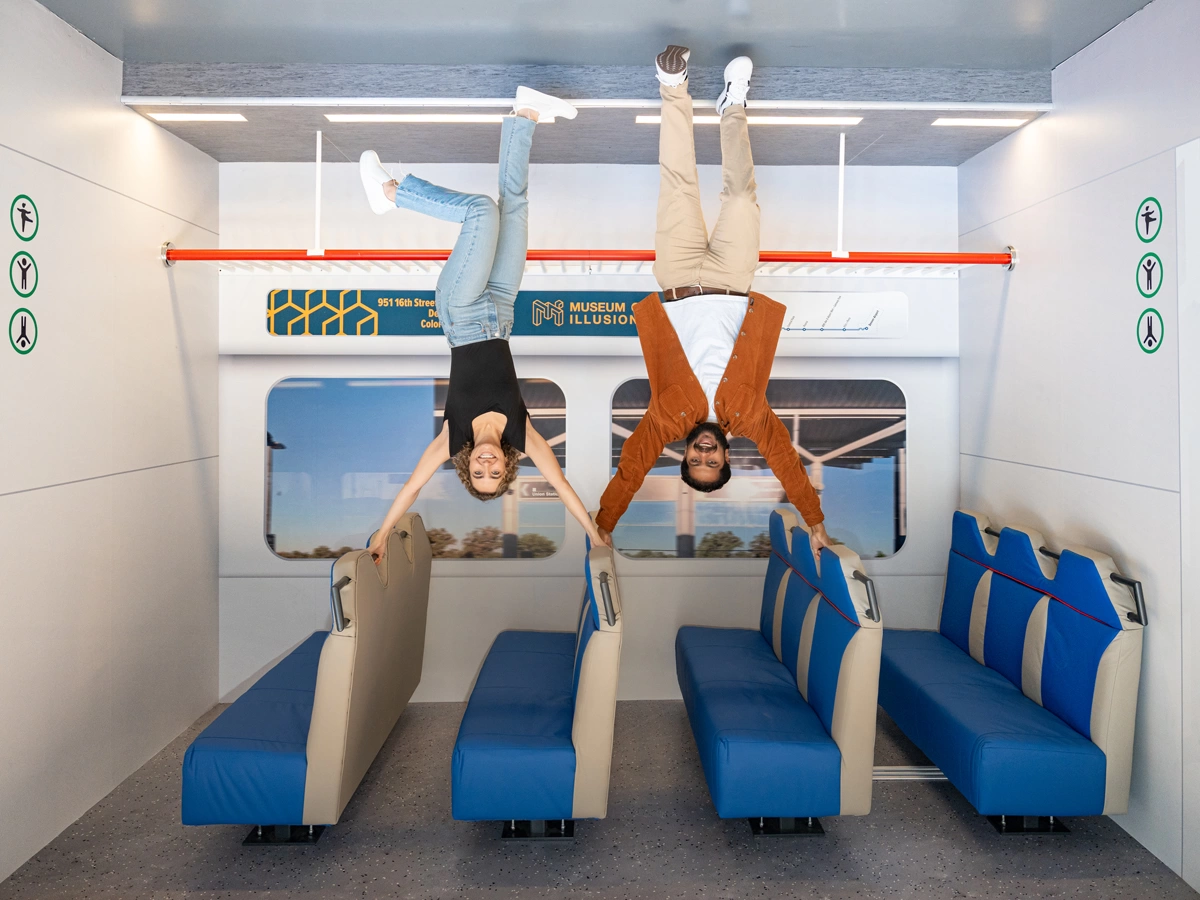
(317,250)
(839,253)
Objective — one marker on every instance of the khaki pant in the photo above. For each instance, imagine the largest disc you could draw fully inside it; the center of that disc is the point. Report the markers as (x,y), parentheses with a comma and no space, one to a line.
(684,252)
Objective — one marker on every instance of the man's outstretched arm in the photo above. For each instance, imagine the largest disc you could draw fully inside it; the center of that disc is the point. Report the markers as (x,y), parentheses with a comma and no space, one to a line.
(638,455)
(776,448)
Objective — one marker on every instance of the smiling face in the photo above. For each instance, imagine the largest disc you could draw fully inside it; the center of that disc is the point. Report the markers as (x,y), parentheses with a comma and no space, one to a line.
(487,466)
(706,454)
(705,465)
(487,470)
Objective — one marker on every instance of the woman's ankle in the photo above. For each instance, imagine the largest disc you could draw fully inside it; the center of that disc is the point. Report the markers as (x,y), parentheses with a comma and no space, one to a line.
(527,113)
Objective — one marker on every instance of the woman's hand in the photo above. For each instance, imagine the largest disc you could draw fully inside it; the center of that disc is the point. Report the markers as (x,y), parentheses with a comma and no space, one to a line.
(378,548)
(600,536)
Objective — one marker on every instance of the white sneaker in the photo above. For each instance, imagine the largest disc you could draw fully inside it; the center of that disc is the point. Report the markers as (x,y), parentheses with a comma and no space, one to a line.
(737,84)
(671,65)
(374,177)
(548,108)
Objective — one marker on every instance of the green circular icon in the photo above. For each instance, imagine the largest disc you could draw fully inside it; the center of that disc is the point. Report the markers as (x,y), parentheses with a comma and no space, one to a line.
(23,273)
(23,216)
(1150,330)
(1148,221)
(1149,275)
(22,331)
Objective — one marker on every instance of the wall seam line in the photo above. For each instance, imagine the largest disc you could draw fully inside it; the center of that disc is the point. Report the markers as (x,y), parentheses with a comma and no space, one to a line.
(46,487)
(1013,462)
(1064,191)
(105,187)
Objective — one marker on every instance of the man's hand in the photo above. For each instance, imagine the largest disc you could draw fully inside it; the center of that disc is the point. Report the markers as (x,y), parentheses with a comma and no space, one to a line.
(602,537)
(819,538)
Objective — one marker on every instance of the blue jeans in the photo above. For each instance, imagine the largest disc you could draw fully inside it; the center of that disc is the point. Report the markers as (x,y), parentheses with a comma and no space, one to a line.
(479,283)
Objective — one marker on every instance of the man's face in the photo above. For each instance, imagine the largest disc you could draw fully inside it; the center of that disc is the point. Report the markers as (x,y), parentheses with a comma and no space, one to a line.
(706,455)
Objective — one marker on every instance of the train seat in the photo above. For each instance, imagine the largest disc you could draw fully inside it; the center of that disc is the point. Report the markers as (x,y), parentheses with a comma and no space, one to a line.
(784,716)
(293,748)
(1026,695)
(535,743)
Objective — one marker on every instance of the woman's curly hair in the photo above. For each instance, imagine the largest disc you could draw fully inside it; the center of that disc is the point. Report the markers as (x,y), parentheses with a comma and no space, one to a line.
(462,465)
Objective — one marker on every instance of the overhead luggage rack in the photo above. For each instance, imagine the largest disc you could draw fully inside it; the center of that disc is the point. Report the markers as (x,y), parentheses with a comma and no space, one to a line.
(802,263)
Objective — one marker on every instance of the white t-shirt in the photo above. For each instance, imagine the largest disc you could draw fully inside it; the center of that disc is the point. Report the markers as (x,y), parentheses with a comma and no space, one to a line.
(707,327)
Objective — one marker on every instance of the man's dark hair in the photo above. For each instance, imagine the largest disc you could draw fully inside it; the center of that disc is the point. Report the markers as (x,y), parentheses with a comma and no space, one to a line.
(705,487)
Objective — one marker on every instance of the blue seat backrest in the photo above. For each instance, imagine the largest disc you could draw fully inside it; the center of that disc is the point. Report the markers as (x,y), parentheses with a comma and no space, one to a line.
(819,596)
(1046,625)
(1081,622)
(1011,602)
(968,546)
(588,622)
(777,573)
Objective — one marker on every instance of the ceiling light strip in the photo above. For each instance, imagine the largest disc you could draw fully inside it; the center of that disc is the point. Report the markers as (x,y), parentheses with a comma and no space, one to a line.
(951,121)
(414,118)
(197,117)
(763,120)
(587,103)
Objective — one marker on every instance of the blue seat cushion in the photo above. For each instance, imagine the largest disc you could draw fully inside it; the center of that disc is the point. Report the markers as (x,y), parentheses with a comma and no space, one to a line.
(1008,755)
(763,749)
(248,767)
(514,758)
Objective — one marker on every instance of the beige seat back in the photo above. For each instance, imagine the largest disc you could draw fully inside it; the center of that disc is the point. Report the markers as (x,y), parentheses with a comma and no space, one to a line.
(597,665)
(368,670)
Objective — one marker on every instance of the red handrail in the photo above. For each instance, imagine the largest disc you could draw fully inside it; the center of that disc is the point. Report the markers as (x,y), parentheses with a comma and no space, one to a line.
(173,255)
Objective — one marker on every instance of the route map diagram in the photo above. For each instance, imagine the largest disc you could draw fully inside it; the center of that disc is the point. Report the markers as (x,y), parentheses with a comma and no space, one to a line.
(845,314)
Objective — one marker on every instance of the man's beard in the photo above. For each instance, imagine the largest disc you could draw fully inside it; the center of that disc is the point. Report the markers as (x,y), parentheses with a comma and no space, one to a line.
(708,428)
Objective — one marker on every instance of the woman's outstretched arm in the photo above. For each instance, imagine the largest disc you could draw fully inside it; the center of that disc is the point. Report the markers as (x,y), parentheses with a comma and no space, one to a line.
(543,457)
(433,457)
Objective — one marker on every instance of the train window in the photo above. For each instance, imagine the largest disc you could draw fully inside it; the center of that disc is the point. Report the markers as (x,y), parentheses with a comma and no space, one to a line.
(339,449)
(850,435)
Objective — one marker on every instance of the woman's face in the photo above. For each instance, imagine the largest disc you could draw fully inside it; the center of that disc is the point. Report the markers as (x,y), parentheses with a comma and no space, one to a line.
(487,467)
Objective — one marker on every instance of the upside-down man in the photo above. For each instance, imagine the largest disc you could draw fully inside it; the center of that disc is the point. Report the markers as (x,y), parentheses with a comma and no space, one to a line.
(709,342)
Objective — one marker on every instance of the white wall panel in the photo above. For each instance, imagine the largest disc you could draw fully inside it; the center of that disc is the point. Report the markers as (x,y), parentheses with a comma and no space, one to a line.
(1052,374)
(108,436)
(61,105)
(112,592)
(126,348)
(1127,97)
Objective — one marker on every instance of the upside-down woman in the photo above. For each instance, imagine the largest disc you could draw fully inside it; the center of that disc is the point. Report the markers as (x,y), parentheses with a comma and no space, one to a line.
(486,427)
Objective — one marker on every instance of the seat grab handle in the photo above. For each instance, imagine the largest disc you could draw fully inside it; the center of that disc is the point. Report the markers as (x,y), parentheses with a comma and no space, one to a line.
(606,593)
(872,600)
(1138,597)
(335,602)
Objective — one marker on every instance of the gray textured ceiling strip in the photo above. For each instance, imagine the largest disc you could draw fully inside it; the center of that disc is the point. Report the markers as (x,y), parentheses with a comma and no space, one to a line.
(610,82)
(597,136)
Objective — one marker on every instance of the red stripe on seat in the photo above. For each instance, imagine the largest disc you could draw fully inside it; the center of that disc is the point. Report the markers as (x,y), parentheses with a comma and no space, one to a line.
(1044,593)
(820,593)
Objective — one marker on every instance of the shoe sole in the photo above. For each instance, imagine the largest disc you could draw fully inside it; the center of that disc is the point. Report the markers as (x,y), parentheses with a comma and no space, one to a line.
(547,106)
(673,60)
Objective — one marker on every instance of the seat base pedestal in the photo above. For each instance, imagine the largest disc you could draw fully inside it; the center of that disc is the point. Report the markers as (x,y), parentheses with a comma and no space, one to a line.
(283,834)
(538,830)
(1028,825)
(785,826)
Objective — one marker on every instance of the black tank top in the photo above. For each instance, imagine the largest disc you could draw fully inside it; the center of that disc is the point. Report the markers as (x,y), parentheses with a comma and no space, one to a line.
(483,379)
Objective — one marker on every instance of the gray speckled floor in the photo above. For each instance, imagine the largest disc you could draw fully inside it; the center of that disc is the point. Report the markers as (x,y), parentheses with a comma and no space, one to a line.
(662,839)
